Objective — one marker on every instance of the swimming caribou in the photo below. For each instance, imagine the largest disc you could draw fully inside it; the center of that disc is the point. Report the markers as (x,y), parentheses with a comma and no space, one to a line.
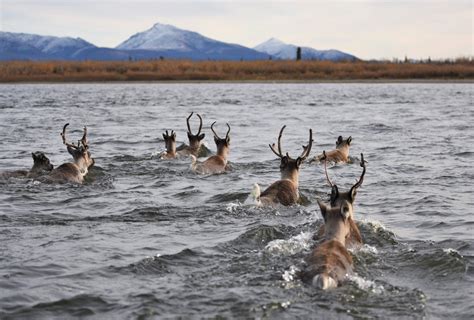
(339,198)
(218,163)
(73,171)
(195,140)
(330,262)
(170,142)
(284,191)
(338,155)
(41,166)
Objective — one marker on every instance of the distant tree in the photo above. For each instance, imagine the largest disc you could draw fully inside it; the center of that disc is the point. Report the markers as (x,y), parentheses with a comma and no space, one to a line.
(269,57)
(406,59)
(162,58)
(129,58)
(298,54)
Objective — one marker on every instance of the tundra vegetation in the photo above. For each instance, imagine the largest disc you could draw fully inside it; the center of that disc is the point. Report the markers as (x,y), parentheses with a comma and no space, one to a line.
(269,70)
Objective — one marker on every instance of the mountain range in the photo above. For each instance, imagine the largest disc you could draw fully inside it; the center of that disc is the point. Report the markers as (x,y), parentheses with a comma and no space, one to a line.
(160,41)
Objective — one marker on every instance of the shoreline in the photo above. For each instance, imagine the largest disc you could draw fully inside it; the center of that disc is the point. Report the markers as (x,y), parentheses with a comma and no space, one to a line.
(342,81)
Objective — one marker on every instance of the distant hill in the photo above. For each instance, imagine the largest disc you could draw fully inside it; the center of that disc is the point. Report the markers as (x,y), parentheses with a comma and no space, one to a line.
(280,50)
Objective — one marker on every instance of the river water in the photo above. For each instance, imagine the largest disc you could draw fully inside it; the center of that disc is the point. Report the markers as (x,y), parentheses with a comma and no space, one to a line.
(145,238)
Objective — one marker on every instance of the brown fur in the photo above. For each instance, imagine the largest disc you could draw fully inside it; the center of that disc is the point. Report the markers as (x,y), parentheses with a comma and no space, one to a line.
(67,172)
(41,166)
(283,191)
(340,154)
(353,240)
(330,262)
(218,163)
(195,140)
(170,142)
(73,171)
(331,258)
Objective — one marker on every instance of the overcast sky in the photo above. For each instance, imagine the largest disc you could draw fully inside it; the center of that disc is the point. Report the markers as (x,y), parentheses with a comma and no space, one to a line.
(368,29)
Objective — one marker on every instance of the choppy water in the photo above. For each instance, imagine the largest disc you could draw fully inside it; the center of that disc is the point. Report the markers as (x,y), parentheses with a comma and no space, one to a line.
(144,238)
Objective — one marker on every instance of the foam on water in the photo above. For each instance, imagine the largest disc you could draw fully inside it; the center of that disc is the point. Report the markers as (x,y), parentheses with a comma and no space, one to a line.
(366,285)
(291,246)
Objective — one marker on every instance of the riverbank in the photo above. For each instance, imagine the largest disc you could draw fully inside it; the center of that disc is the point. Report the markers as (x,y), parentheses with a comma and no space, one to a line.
(281,71)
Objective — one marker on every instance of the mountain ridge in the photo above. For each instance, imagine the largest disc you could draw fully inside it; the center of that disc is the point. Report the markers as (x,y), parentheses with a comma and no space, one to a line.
(158,42)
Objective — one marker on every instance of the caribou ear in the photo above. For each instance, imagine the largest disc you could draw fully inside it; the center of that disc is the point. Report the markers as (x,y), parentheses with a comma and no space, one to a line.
(299,161)
(334,195)
(33,155)
(352,194)
(201,136)
(323,207)
(349,140)
(339,140)
(164,136)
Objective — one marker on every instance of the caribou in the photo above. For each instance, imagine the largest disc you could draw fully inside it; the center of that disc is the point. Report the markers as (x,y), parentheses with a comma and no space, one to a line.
(73,171)
(348,198)
(330,262)
(339,155)
(170,143)
(284,191)
(217,163)
(195,140)
(41,166)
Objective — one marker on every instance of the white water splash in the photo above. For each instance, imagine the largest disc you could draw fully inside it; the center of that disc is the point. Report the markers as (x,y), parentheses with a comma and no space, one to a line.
(233,207)
(366,285)
(289,275)
(290,246)
(452,251)
(365,249)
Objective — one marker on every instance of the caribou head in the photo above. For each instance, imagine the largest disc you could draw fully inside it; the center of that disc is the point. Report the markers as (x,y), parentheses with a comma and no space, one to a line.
(80,152)
(195,139)
(348,197)
(289,167)
(222,144)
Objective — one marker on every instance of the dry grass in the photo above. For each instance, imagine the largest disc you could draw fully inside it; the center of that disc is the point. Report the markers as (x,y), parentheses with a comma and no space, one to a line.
(182,70)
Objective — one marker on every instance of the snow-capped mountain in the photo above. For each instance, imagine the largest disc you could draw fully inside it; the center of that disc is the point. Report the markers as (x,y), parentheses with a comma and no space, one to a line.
(160,41)
(174,42)
(36,47)
(280,50)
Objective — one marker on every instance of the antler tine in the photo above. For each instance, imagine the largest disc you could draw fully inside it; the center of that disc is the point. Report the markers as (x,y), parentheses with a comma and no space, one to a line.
(361,179)
(63,136)
(307,149)
(279,139)
(187,122)
(228,131)
(84,138)
(272,147)
(212,128)
(326,169)
(200,123)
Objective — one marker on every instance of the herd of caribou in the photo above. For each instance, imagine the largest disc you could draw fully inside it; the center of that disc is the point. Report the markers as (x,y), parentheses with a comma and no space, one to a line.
(329,262)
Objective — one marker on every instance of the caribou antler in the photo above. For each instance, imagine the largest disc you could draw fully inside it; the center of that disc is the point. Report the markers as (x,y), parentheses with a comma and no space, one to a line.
(307,149)
(63,135)
(326,169)
(361,179)
(215,133)
(200,123)
(84,138)
(272,146)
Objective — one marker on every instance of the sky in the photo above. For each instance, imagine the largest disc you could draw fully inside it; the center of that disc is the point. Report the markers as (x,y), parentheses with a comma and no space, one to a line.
(370,29)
